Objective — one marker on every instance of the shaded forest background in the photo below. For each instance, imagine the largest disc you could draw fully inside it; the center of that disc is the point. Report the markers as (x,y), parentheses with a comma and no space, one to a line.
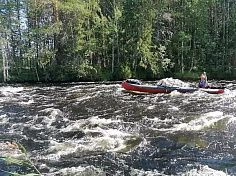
(92,40)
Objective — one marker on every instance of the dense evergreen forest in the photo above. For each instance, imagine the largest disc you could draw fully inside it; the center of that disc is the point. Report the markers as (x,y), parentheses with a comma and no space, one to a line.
(90,40)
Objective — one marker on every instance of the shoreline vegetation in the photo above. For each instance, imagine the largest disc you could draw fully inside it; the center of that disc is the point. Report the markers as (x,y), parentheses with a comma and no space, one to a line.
(192,77)
(104,40)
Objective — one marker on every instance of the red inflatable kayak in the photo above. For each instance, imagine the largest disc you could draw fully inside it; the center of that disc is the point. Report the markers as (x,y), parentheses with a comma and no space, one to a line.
(136,86)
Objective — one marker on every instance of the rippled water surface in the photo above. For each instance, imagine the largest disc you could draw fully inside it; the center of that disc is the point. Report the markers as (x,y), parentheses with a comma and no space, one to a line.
(97,129)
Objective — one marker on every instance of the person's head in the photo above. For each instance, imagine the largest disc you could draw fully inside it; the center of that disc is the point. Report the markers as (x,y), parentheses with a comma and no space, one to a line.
(204,73)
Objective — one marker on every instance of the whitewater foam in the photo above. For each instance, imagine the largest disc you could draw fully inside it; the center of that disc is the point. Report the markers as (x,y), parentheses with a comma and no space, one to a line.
(205,171)
(200,123)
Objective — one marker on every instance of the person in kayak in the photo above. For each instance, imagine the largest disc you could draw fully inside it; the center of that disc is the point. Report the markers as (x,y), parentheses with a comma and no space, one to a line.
(203,81)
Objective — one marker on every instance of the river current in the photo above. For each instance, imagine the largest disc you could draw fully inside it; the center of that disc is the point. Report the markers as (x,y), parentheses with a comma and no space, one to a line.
(96,129)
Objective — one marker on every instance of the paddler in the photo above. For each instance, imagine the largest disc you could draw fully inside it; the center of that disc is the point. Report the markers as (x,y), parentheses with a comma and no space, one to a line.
(203,81)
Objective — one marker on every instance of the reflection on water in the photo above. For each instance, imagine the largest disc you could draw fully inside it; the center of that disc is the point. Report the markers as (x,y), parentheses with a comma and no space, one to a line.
(97,129)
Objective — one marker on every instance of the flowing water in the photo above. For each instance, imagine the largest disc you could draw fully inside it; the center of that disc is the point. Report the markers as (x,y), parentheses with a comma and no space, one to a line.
(97,129)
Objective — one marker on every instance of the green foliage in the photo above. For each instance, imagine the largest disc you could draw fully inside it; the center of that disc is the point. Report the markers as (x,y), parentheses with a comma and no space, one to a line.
(126,71)
(187,75)
(105,75)
(99,39)
(87,72)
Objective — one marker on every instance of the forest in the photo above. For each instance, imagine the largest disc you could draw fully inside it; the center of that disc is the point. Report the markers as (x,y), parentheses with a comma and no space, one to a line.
(101,40)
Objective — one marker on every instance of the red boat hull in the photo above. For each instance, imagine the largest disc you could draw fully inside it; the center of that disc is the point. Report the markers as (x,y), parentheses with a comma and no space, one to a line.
(152,89)
(144,88)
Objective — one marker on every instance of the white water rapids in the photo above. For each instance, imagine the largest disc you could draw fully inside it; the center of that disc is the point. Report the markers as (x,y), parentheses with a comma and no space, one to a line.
(97,129)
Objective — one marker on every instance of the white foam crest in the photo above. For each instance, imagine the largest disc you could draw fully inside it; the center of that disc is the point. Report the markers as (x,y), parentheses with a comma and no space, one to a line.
(75,126)
(59,149)
(3,119)
(229,93)
(27,102)
(35,126)
(76,171)
(206,171)
(163,102)
(108,85)
(232,120)
(151,107)
(97,120)
(232,105)
(215,114)
(137,172)
(83,98)
(110,132)
(53,112)
(52,116)
(76,88)
(172,82)
(119,90)
(200,94)
(108,143)
(175,93)
(81,124)
(109,140)
(8,90)
(173,108)
(204,121)
(157,119)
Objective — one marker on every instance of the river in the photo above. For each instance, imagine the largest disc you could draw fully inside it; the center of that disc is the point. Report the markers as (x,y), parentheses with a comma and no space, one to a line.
(97,129)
